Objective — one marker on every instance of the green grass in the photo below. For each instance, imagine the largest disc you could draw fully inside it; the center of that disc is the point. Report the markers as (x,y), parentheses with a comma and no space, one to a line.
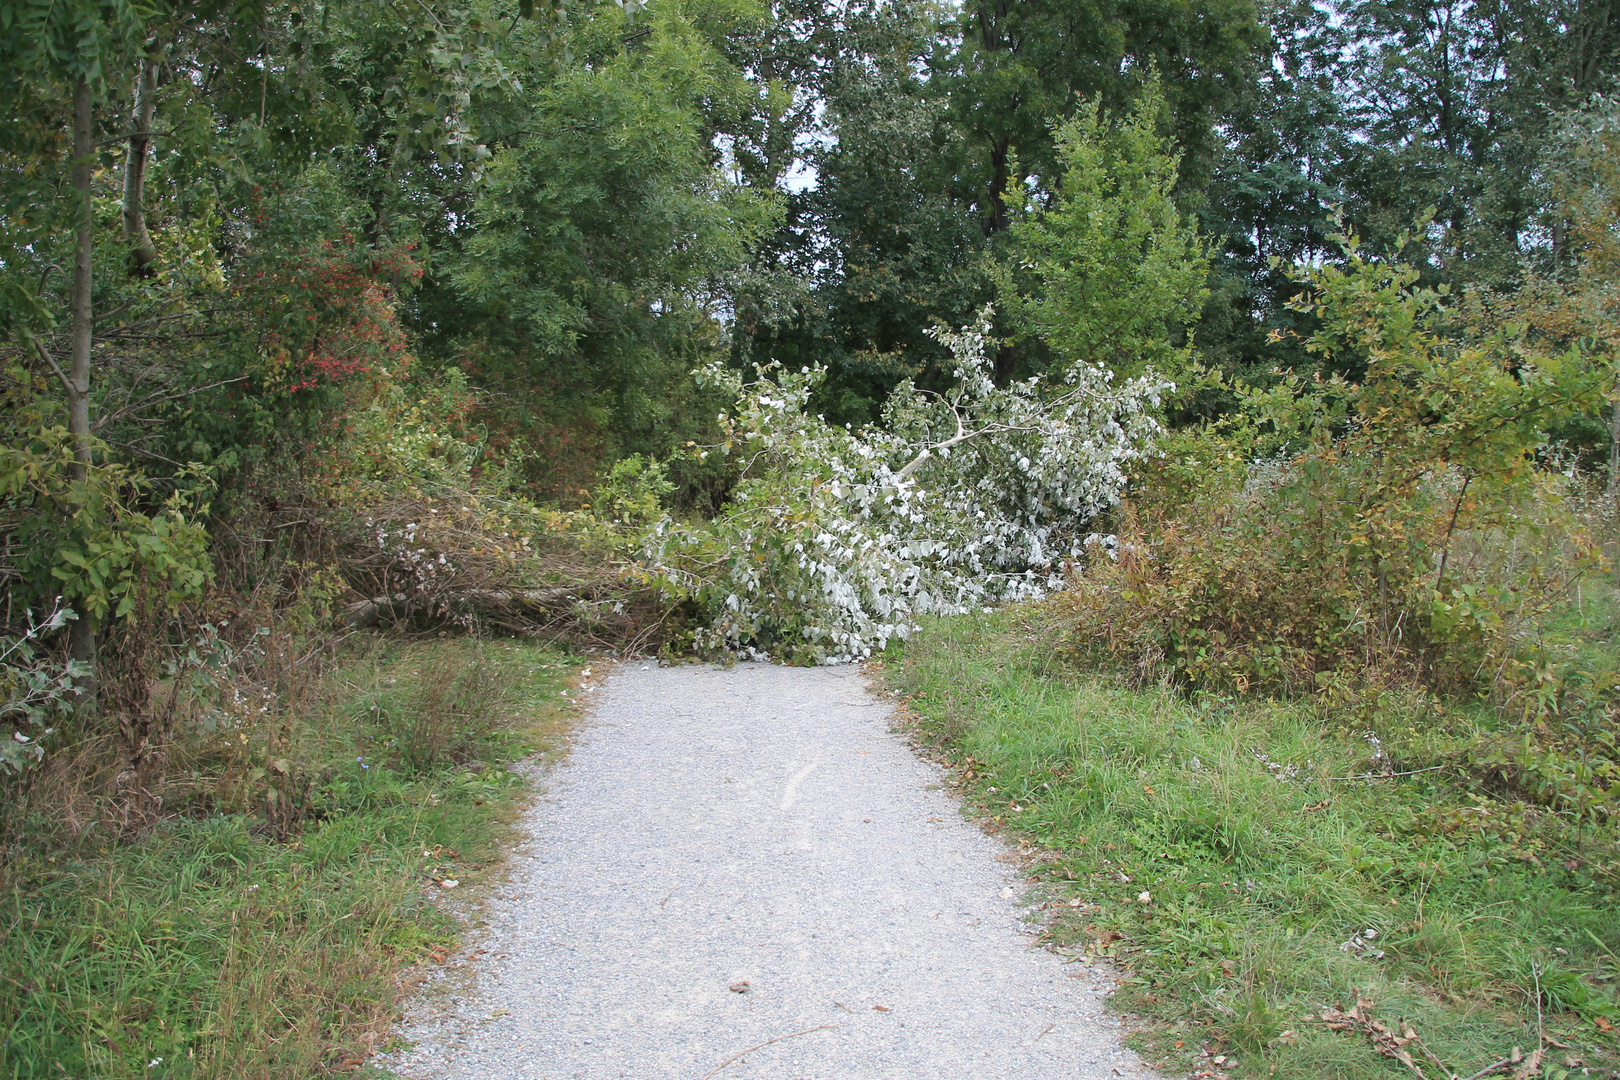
(1218,858)
(240,938)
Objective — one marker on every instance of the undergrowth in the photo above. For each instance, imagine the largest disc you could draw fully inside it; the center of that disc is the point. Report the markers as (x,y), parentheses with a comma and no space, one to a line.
(1228,853)
(262,922)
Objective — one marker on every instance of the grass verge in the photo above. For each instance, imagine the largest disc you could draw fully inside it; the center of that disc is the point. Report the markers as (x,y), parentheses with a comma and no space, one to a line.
(1214,850)
(262,926)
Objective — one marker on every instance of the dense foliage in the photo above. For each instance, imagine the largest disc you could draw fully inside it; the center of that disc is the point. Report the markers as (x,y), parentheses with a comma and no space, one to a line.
(303,271)
(1279,338)
(1333,528)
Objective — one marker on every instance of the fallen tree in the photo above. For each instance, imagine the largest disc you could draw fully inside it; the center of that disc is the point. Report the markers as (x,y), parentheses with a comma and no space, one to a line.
(836,540)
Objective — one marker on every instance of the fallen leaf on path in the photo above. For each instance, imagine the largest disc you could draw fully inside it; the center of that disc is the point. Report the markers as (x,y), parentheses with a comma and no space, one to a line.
(881,1008)
(739,988)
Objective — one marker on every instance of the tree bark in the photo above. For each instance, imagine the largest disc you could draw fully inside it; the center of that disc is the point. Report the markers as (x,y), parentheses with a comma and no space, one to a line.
(82,637)
(1614,450)
(142,252)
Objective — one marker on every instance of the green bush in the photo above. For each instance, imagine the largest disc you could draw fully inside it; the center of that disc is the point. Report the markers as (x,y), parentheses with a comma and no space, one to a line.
(1401,529)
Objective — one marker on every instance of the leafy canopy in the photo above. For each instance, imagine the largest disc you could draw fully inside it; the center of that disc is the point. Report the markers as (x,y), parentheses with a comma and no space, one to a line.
(1116,271)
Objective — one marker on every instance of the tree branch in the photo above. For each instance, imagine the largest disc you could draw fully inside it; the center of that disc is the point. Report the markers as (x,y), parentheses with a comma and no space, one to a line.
(962,435)
(154,399)
(51,360)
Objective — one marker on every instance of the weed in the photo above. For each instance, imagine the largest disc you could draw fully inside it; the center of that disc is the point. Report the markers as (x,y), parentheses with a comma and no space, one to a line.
(449,717)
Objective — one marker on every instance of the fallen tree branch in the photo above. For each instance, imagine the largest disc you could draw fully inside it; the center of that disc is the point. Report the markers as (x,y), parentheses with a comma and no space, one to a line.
(1384,1040)
(481,602)
(1487,1070)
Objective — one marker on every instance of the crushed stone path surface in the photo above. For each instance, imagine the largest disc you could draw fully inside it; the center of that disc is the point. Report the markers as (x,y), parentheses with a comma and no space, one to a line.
(763,825)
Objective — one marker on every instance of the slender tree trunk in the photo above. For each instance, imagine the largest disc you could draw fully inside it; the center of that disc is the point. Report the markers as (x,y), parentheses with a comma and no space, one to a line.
(142,252)
(998,220)
(82,638)
(1614,450)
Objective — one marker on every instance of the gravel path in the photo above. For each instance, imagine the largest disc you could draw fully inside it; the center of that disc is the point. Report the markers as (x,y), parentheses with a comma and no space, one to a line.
(756,829)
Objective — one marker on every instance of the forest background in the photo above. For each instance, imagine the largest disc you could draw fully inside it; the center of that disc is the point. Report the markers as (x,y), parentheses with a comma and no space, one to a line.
(1276,341)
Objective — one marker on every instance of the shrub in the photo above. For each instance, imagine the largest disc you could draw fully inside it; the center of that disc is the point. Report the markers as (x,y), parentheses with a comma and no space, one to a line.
(1403,526)
(36,693)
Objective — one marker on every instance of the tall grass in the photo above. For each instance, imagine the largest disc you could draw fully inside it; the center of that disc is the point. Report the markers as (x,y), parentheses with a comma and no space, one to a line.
(1218,848)
(244,934)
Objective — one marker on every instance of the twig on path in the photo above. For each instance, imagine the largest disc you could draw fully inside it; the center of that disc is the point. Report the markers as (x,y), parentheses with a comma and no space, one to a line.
(767,1042)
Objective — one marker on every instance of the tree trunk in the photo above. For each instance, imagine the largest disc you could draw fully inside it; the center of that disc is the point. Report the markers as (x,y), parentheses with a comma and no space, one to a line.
(142,252)
(1614,451)
(82,638)
(508,607)
(997,220)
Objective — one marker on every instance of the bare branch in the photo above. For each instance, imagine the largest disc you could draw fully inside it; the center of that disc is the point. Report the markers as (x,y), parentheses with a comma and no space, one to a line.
(51,360)
(120,308)
(158,398)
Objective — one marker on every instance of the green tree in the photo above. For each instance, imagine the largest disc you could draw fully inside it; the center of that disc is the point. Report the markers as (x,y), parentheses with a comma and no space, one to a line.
(1011,70)
(881,248)
(1269,201)
(1113,272)
(591,261)
(926,124)
(56,56)
(1451,102)
(139,144)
